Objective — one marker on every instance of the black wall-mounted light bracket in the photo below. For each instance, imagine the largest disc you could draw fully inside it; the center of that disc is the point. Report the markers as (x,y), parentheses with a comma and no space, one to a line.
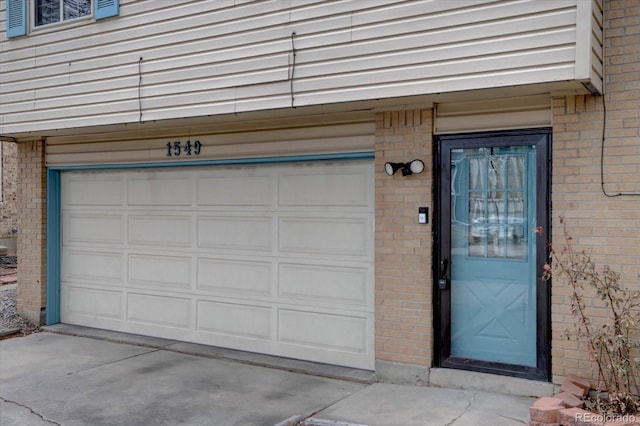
(410,168)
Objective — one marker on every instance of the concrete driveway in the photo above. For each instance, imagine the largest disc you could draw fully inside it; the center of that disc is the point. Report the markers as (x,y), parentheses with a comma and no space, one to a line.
(48,378)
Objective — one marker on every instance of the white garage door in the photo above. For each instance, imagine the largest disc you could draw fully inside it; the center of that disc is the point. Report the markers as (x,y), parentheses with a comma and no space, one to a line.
(276,259)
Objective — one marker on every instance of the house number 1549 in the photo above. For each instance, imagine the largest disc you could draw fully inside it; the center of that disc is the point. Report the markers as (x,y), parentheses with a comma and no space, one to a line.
(176,149)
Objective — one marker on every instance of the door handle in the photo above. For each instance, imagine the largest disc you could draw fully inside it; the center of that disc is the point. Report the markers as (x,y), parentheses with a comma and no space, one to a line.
(443,267)
(443,283)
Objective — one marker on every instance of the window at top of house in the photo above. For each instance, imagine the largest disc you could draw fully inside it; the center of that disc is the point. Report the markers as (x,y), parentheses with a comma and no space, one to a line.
(48,12)
(53,11)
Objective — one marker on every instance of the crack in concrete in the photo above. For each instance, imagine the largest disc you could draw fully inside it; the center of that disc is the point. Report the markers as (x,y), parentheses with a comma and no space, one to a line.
(511,418)
(30,410)
(114,362)
(312,418)
(465,411)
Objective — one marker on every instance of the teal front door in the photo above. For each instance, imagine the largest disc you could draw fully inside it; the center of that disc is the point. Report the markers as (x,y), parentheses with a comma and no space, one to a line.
(493,306)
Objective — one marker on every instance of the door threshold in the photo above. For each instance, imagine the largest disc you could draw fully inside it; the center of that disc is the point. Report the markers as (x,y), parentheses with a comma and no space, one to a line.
(471,380)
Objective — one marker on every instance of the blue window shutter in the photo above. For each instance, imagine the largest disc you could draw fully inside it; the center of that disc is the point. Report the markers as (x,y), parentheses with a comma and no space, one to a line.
(16,18)
(106,8)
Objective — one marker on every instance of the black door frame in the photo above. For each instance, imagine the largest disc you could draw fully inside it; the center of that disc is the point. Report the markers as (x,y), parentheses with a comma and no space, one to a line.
(541,138)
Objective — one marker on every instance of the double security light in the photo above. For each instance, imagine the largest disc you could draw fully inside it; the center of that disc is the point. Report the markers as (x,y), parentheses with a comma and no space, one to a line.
(411,168)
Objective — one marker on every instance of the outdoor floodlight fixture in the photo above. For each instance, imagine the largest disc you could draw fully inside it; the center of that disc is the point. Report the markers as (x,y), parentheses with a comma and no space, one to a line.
(411,168)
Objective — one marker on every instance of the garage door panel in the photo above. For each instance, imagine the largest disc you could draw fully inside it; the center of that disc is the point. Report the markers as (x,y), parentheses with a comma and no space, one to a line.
(235,233)
(81,302)
(234,188)
(82,265)
(234,277)
(159,310)
(162,272)
(153,189)
(97,189)
(323,330)
(270,258)
(93,228)
(167,231)
(237,320)
(328,284)
(332,187)
(325,236)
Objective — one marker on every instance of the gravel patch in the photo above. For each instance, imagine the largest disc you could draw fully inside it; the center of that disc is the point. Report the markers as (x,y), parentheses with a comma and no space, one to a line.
(9,318)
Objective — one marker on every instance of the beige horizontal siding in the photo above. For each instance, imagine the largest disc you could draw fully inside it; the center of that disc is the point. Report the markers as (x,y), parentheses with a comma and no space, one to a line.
(210,57)
(589,56)
(495,114)
(131,147)
(597,46)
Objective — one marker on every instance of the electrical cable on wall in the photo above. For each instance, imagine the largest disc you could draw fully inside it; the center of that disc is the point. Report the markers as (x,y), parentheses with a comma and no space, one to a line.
(140,89)
(602,182)
(604,127)
(292,65)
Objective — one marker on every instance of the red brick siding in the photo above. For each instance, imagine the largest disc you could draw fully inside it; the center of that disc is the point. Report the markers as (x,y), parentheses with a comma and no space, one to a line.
(606,227)
(32,230)
(404,312)
(8,206)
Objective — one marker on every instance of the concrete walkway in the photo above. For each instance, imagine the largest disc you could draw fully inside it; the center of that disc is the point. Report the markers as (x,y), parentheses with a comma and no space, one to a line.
(54,379)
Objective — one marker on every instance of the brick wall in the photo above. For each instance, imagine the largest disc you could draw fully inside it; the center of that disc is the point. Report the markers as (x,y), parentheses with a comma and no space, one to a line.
(32,227)
(606,227)
(403,247)
(8,206)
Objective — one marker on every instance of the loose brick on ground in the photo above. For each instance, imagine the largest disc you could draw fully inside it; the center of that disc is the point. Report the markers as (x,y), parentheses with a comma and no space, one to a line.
(545,413)
(575,417)
(579,381)
(573,389)
(569,400)
(548,401)
(8,280)
(622,422)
